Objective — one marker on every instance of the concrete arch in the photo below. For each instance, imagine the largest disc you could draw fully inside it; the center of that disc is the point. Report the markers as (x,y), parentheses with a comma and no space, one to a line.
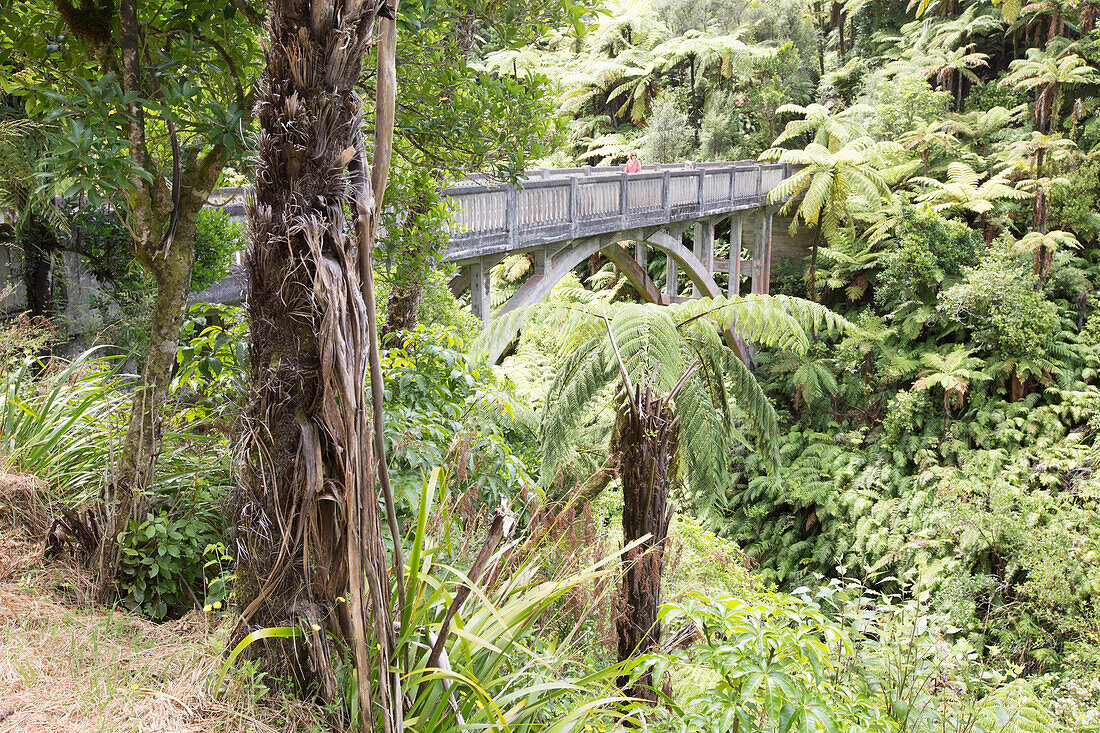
(539,285)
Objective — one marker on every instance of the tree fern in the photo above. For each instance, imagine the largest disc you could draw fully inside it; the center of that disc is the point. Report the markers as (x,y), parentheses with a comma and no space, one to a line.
(676,350)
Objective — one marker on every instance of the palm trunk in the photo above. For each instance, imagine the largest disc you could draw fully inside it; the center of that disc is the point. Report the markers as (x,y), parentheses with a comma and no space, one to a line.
(646,439)
(307,513)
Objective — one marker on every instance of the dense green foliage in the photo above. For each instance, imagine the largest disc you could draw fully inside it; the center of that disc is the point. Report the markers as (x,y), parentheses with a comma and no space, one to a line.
(951,179)
(888,523)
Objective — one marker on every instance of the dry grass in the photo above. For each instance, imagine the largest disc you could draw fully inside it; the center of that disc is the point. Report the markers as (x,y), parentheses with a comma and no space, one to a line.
(85,668)
(24,502)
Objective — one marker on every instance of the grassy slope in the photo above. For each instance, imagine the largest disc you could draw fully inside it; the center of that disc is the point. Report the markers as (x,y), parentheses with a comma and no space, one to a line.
(70,666)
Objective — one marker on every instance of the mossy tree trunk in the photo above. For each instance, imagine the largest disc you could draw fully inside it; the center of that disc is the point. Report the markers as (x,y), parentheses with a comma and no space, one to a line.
(646,438)
(162,218)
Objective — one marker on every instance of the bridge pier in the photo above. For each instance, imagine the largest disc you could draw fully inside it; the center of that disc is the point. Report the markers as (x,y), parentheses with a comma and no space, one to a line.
(703,247)
(736,226)
(762,254)
(672,278)
(480,304)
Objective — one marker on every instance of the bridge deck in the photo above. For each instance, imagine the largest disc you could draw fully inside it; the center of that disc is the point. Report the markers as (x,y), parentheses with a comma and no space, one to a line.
(558,206)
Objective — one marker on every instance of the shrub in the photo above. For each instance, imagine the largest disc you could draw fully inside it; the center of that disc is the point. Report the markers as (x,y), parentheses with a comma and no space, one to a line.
(928,252)
(444,409)
(1000,302)
(217,238)
(900,101)
(1074,207)
(843,658)
(163,558)
(212,366)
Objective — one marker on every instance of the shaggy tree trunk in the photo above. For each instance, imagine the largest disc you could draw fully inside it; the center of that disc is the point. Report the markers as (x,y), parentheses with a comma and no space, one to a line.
(308,529)
(403,306)
(646,438)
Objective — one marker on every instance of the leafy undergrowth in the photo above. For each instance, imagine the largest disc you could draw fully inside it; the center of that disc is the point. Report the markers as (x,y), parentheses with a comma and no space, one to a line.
(72,666)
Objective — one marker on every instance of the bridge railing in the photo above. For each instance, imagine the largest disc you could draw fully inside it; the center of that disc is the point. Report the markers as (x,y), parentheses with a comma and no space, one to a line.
(556,204)
(563,203)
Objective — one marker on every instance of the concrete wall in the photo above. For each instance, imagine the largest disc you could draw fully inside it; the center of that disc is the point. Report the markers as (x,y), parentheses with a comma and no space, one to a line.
(11,283)
(786,247)
(77,321)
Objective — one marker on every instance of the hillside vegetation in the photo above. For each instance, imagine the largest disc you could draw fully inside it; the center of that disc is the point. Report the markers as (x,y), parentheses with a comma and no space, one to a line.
(888,520)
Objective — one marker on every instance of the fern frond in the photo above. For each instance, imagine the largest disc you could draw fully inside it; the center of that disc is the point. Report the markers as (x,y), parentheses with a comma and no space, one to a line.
(581,377)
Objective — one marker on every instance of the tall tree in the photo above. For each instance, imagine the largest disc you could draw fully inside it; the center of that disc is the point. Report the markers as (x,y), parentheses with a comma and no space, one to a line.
(924,137)
(1047,75)
(832,183)
(138,133)
(307,512)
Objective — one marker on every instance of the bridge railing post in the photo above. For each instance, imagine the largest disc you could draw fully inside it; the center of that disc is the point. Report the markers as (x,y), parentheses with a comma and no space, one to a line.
(511,216)
(666,193)
(733,183)
(624,198)
(699,189)
(574,205)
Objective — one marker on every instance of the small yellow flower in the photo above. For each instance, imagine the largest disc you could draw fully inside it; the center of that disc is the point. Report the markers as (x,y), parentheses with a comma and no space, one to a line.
(217,604)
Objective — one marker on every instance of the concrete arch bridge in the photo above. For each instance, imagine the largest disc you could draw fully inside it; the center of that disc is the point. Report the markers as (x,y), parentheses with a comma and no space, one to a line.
(561,217)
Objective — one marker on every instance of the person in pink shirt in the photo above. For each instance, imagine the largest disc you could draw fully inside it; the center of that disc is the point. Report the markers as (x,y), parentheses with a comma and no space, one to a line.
(633,165)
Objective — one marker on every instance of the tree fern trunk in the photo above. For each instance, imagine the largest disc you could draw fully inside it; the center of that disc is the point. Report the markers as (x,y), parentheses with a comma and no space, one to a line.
(813,263)
(39,243)
(308,529)
(411,271)
(646,438)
